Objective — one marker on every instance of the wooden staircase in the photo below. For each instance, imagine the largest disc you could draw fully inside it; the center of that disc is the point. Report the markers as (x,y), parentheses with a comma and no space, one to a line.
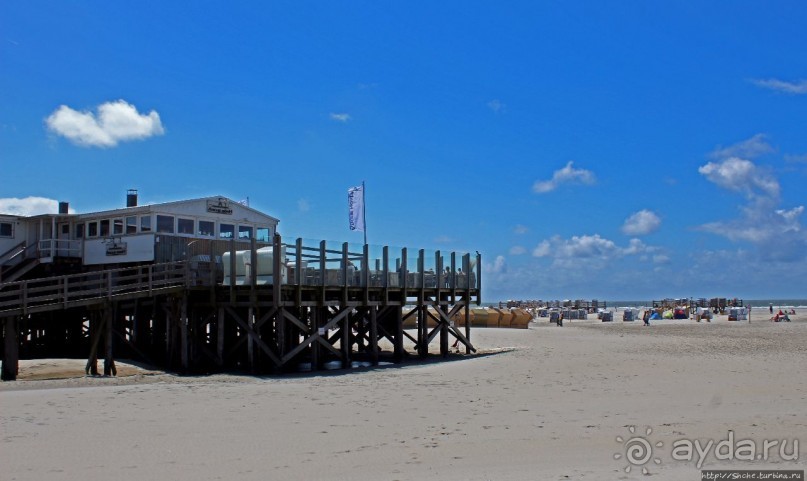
(17,261)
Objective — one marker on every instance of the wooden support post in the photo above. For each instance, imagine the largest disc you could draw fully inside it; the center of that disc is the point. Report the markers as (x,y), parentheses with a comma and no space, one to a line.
(423,318)
(232,270)
(373,334)
(253,270)
(315,323)
(183,333)
(169,327)
(466,261)
(404,278)
(322,271)
(423,330)
(11,352)
(452,278)
(345,273)
(443,337)
(251,339)
(110,312)
(478,279)
(220,338)
(213,271)
(299,279)
(345,342)
(385,260)
(365,273)
(96,323)
(398,348)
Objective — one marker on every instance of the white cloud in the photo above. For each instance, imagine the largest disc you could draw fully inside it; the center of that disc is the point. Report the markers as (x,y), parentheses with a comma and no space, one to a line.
(520,229)
(641,223)
(592,250)
(777,233)
(517,250)
(29,206)
(797,88)
(742,176)
(543,249)
(496,106)
(661,259)
(747,149)
(115,122)
(635,246)
(303,205)
(566,175)
(499,266)
(341,117)
(796,159)
(443,239)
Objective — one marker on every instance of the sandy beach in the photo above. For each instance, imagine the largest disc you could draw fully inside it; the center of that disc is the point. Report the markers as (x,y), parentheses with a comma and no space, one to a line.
(544,403)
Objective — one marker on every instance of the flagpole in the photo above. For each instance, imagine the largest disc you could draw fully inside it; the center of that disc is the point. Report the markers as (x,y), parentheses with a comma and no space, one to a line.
(364,210)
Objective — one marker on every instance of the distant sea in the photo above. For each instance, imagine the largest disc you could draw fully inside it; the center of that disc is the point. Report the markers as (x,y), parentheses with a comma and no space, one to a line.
(746,302)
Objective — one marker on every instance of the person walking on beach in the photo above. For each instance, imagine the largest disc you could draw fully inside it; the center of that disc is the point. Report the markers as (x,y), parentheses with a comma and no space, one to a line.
(646,317)
(770,307)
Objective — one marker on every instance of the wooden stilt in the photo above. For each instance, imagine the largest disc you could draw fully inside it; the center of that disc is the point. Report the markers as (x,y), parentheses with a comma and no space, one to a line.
(220,338)
(345,342)
(183,334)
(11,353)
(398,352)
(374,335)
(251,339)
(315,346)
(109,360)
(443,336)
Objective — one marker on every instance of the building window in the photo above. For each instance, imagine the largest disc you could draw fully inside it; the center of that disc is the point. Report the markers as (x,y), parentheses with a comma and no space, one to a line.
(207,228)
(244,232)
(145,223)
(6,229)
(263,234)
(117,226)
(226,231)
(131,225)
(92,229)
(185,226)
(79,231)
(165,224)
(104,228)
(66,229)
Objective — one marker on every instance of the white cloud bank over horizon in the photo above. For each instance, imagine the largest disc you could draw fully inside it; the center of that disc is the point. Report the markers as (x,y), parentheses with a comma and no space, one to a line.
(29,206)
(566,175)
(115,122)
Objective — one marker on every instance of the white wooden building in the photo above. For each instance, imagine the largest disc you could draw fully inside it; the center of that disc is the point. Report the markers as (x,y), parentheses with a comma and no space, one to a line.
(131,234)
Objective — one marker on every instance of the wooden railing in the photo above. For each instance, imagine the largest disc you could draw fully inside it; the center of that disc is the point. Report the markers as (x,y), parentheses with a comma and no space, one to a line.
(66,291)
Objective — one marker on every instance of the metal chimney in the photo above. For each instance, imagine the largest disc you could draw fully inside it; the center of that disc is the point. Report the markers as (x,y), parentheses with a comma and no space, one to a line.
(131,198)
(64,207)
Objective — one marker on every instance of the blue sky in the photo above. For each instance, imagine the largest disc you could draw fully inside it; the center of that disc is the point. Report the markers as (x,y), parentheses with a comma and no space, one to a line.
(611,150)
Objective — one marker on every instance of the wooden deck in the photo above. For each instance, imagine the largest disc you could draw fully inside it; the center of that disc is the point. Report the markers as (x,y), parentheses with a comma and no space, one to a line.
(331,305)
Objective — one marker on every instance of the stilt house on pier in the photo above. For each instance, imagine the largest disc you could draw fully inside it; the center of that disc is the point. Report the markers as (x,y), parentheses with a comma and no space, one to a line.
(208,284)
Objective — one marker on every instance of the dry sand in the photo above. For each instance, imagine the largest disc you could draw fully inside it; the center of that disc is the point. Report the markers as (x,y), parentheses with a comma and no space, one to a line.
(551,408)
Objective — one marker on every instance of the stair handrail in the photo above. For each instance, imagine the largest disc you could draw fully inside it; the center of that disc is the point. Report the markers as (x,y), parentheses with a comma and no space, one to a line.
(13,252)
